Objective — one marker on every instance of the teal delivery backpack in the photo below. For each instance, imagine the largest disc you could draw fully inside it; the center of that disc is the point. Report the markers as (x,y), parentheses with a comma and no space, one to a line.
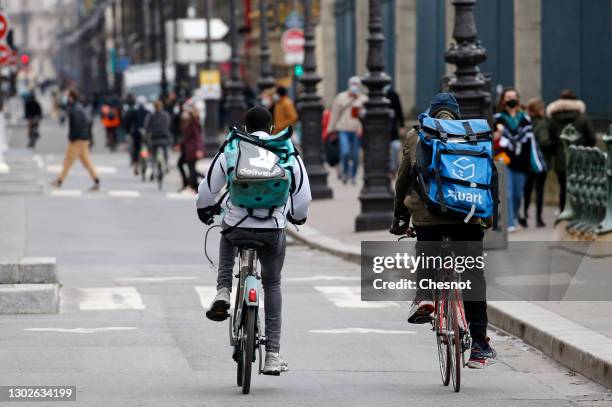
(259,170)
(454,170)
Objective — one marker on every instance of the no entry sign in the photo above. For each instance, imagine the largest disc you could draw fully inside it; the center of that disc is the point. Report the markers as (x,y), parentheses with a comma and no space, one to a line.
(292,43)
(4,26)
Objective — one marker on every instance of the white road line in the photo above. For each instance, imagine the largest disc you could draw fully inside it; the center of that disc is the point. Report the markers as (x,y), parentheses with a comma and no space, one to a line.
(350,297)
(181,195)
(66,192)
(121,193)
(360,331)
(154,279)
(322,278)
(109,298)
(208,293)
(82,330)
(102,169)
(39,161)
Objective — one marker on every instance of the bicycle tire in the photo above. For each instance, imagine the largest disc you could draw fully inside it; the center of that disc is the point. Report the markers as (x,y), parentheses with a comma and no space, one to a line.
(443,350)
(248,348)
(454,342)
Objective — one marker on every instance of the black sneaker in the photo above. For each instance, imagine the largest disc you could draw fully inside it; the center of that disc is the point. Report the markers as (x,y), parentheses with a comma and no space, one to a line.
(482,355)
(540,223)
(421,312)
(523,222)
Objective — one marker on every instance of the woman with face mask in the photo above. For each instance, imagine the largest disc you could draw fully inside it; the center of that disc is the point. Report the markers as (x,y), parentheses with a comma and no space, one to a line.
(514,136)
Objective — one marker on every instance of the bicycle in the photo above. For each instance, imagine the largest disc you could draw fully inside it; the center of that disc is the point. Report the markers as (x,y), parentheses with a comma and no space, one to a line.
(245,333)
(449,325)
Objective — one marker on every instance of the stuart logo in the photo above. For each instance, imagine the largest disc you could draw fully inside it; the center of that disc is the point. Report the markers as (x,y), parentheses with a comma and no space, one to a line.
(463,168)
(266,159)
(468,197)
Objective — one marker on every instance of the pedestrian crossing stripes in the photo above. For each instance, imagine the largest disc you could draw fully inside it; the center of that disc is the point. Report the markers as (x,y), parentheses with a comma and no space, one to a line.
(67,192)
(100,169)
(350,297)
(129,298)
(123,193)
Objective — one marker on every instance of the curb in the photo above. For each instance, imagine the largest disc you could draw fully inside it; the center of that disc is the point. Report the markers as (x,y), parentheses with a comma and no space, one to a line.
(29,286)
(574,346)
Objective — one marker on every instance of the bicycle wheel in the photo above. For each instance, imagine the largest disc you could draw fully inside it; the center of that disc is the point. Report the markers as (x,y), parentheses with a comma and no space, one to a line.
(454,342)
(248,348)
(441,339)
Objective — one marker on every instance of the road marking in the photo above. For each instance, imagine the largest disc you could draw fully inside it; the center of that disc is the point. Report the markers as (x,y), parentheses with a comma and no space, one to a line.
(181,195)
(360,331)
(83,330)
(39,161)
(350,297)
(121,193)
(109,298)
(66,192)
(102,169)
(208,292)
(322,278)
(154,279)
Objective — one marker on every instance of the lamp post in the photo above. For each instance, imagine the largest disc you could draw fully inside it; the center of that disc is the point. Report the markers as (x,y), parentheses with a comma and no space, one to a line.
(162,47)
(311,112)
(376,196)
(469,85)
(234,102)
(266,80)
(211,121)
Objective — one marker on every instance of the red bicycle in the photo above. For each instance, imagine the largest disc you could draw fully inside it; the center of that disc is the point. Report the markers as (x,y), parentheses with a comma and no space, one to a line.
(451,329)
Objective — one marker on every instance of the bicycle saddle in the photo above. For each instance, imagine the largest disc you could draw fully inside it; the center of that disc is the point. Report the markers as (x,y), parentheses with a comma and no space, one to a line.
(249,244)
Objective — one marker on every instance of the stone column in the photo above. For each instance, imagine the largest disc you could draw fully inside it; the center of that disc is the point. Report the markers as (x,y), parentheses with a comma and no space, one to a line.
(528,48)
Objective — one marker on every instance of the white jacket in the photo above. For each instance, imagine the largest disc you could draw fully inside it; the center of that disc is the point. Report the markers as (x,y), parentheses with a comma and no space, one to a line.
(215,180)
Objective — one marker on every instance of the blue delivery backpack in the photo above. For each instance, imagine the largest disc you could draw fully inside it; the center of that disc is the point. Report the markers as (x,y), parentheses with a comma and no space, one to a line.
(454,170)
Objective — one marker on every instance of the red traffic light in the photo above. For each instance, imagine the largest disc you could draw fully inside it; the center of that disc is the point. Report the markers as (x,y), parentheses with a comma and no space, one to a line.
(25,59)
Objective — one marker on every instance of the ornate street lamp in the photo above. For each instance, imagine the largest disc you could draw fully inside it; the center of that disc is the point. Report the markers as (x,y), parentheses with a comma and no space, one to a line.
(211,121)
(266,80)
(311,112)
(162,47)
(234,103)
(469,85)
(376,196)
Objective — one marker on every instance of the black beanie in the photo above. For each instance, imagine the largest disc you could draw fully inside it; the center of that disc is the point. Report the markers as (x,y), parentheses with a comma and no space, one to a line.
(258,118)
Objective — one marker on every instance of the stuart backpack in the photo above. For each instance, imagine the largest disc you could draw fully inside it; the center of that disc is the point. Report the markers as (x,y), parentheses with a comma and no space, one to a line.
(259,170)
(454,170)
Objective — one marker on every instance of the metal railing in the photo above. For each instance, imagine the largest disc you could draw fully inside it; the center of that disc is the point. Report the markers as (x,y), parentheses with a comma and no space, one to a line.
(588,207)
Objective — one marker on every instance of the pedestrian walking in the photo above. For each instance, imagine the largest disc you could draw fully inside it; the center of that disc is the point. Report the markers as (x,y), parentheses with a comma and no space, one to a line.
(513,136)
(33,114)
(157,130)
(78,146)
(397,127)
(285,114)
(345,121)
(566,110)
(536,111)
(191,148)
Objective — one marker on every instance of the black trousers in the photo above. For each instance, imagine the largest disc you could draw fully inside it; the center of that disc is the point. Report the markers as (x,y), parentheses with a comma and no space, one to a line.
(475,310)
(562,189)
(191,177)
(539,181)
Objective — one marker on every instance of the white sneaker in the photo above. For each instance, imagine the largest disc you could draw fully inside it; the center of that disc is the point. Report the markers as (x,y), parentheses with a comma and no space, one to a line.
(274,364)
(511,229)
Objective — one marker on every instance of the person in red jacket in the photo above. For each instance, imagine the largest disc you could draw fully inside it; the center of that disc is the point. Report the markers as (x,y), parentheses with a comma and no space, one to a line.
(191,147)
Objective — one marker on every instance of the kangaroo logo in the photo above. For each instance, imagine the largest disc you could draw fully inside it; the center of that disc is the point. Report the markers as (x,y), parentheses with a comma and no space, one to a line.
(464,169)
(266,159)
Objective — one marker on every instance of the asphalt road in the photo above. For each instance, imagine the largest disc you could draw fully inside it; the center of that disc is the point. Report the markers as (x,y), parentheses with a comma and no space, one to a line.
(132,330)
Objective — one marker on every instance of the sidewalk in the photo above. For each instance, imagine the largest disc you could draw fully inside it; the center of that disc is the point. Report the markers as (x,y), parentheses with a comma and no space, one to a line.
(559,329)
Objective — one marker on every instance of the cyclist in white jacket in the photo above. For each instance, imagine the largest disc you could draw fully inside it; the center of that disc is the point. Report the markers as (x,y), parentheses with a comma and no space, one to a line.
(269,230)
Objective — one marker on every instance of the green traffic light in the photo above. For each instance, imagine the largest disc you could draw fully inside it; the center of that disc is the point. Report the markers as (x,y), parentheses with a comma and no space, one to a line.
(298,70)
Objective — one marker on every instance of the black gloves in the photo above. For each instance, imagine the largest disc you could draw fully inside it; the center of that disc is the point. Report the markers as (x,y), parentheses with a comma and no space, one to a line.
(294,221)
(207,215)
(400,227)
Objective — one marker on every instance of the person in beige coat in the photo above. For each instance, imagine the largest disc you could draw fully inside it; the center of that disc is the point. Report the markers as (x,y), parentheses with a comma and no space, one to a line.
(344,122)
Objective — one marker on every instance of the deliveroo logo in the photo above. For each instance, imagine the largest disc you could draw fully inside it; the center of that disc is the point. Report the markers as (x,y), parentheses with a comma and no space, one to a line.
(266,159)
(463,169)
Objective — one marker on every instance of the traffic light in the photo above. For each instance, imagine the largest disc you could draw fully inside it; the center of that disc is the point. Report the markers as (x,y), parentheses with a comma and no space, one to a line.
(298,70)
(25,59)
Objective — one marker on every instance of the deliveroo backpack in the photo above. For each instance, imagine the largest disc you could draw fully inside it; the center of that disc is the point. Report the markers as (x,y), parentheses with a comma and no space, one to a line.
(454,168)
(259,171)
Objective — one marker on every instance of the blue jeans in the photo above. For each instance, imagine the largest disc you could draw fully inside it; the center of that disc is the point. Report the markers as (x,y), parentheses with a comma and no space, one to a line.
(349,152)
(515,185)
(395,149)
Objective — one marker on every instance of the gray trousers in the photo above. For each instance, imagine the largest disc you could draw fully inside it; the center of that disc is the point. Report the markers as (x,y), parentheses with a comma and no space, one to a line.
(271,260)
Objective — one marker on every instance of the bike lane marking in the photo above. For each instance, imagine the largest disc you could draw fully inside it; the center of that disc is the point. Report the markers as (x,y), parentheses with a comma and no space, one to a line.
(83,330)
(121,193)
(109,298)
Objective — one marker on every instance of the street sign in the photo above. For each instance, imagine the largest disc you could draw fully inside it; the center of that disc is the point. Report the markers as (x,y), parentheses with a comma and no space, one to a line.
(292,43)
(195,29)
(4,26)
(195,52)
(210,84)
(5,54)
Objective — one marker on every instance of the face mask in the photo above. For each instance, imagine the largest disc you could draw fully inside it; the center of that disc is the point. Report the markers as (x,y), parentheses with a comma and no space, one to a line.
(354,89)
(276,97)
(512,103)
(266,102)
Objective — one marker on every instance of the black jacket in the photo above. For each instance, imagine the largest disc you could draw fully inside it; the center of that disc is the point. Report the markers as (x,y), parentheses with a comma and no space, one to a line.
(78,126)
(32,108)
(396,106)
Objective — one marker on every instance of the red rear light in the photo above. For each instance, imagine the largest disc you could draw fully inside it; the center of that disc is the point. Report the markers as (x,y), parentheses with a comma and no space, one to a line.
(252,295)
